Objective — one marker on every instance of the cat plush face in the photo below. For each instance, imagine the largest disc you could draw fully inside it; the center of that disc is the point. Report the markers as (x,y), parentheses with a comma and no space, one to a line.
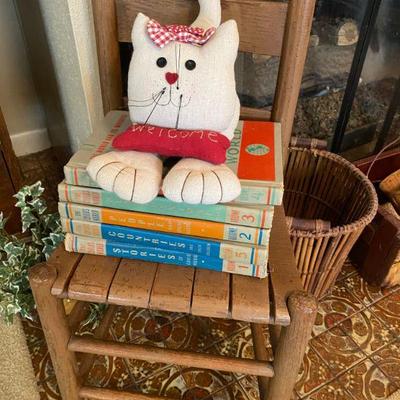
(184,86)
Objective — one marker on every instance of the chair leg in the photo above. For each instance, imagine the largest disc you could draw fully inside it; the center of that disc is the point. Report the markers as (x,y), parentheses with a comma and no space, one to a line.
(292,345)
(55,326)
(274,334)
(261,354)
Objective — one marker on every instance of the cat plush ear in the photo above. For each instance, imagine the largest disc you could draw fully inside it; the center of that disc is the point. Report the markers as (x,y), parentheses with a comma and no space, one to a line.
(139,31)
(225,42)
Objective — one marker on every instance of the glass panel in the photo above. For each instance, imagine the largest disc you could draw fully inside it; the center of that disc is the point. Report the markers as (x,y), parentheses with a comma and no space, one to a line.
(376,88)
(333,41)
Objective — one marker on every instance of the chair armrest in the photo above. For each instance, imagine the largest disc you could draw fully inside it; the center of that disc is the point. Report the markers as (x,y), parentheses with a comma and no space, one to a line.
(284,277)
(282,263)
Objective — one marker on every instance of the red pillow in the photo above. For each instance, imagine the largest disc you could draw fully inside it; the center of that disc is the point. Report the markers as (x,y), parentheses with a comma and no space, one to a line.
(205,145)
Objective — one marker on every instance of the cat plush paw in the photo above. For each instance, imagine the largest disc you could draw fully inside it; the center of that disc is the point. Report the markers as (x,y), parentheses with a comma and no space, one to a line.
(199,182)
(131,175)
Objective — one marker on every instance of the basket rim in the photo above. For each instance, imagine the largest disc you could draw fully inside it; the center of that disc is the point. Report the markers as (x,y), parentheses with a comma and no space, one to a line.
(371,192)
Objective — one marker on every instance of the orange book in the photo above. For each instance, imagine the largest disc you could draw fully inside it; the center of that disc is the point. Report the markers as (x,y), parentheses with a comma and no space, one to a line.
(255,155)
(167,224)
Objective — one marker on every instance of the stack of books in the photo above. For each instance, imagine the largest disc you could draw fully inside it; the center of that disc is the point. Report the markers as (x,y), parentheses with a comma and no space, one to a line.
(230,237)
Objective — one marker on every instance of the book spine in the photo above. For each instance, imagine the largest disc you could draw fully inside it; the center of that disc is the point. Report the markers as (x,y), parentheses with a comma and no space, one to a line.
(161,223)
(250,195)
(225,250)
(78,177)
(260,195)
(103,247)
(246,216)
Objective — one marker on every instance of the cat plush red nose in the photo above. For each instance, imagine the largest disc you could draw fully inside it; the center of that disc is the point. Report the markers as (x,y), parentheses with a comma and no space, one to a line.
(171,77)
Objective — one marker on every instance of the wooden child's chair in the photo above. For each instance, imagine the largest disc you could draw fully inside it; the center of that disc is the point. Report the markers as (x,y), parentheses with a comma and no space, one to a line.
(266,27)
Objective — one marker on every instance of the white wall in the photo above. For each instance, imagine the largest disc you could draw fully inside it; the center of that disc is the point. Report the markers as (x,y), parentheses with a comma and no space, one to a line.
(18,99)
(70,34)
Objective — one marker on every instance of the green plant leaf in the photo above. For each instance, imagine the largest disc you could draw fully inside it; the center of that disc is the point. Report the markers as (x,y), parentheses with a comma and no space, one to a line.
(96,312)
(3,221)
(17,256)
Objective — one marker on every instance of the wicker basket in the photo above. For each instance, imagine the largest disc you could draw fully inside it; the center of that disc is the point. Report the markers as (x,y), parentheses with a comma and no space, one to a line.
(323,186)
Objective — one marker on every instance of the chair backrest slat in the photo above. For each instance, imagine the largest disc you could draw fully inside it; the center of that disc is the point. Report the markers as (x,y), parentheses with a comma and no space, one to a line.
(261,23)
(293,58)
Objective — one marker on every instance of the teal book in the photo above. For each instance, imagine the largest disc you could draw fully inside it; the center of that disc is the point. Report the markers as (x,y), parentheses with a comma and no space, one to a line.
(255,216)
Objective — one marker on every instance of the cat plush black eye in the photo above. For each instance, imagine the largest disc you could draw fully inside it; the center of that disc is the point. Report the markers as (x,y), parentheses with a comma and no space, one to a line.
(161,62)
(190,65)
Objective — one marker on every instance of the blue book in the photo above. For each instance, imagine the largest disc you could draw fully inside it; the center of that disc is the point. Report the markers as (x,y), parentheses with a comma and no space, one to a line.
(230,251)
(90,245)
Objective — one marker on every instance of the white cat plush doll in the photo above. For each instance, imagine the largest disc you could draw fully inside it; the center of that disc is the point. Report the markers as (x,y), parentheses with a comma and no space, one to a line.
(182,101)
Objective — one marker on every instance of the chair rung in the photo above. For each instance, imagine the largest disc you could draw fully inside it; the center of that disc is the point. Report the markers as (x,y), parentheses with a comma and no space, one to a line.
(108,394)
(168,356)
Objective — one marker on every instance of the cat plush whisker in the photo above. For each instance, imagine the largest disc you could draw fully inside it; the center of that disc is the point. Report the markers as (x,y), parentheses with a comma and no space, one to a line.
(143,103)
(151,101)
(180,103)
(157,97)
(179,111)
(140,101)
(178,66)
(136,106)
(155,105)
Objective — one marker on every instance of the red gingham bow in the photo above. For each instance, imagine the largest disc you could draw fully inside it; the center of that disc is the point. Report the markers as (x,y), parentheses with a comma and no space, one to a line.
(162,35)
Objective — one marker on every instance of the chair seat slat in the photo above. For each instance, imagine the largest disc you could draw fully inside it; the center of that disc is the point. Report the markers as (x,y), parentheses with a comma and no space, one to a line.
(92,278)
(65,264)
(211,294)
(132,283)
(250,299)
(172,288)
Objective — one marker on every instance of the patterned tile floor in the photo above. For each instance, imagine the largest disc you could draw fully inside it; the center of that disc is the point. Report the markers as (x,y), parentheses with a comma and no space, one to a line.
(354,353)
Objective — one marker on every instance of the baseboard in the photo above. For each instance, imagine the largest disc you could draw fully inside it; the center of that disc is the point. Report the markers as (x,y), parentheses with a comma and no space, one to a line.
(29,142)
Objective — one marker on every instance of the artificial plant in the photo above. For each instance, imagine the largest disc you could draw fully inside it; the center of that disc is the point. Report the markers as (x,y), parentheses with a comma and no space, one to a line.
(18,253)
